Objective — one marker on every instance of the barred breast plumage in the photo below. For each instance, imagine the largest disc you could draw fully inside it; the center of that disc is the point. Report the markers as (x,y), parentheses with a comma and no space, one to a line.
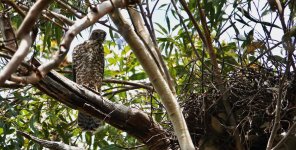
(88,70)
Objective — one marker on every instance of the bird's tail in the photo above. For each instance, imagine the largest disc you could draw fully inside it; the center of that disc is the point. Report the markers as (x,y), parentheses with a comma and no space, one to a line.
(87,122)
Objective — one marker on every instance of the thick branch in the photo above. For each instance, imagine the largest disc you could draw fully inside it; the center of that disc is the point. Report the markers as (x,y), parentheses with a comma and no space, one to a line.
(133,121)
(144,34)
(17,59)
(7,33)
(161,86)
(31,18)
(26,41)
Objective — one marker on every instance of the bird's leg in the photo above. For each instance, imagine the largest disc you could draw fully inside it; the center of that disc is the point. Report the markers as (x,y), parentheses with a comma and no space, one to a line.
(96,88)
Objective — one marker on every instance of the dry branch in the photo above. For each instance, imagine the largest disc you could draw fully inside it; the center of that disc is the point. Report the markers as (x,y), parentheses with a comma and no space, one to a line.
(49,144)
(145,86)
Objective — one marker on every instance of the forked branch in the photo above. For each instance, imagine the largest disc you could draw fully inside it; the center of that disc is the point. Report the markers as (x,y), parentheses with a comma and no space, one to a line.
(79,25)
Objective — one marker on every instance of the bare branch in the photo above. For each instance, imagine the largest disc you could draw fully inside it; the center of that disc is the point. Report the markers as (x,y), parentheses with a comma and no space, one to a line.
(16,60)
(129,83)
(117,115)
(280,93)
(58,16)
(79,25)
(49,144)
(144,34)
(159,83)
(276,122)
(192,19)
(26,40)
(281,14)
(8,34)
(76,12)
(15,7)
(31,18)
(124,89)
(62,4)
(11,85)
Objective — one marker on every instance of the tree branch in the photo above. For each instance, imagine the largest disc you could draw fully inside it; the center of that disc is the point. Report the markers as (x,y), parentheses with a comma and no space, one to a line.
(159,83)
(133,121)
(288,134)
(31,17)
(49,144)
(17,59)
(79,25)
(129,83)
(152,45)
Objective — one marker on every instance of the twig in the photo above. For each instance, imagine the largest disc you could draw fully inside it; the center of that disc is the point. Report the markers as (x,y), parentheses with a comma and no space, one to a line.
(128,83)
(277,117)
(281,14)
(121,90)
(208,43)
(282,141)
(262,54)
(15,7)
(217,75)
(191,17)
(65,6)
(69,7)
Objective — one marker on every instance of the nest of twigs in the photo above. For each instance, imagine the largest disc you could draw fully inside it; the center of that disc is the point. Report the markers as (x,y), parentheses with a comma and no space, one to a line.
(252,97)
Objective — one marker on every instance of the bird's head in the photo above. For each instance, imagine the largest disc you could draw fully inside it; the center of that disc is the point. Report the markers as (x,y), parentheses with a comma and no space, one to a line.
(98,34)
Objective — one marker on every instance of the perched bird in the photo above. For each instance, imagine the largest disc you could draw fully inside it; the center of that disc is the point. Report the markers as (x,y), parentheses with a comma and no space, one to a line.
(88,71)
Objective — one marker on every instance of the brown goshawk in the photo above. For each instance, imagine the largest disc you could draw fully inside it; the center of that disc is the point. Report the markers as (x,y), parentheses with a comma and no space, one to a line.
(88,71)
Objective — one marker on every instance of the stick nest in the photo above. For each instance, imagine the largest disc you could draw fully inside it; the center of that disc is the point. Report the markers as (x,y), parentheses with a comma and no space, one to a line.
(252,96)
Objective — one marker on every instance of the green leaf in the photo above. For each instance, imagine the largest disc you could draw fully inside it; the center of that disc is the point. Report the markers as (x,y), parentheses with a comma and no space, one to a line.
(111,34)
(1,131)
(138,76)
(112,146)
(162,28)
(168,23)
(161,6)
(88,136)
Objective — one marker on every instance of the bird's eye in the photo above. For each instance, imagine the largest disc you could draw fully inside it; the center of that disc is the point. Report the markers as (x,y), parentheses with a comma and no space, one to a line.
(102,34)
